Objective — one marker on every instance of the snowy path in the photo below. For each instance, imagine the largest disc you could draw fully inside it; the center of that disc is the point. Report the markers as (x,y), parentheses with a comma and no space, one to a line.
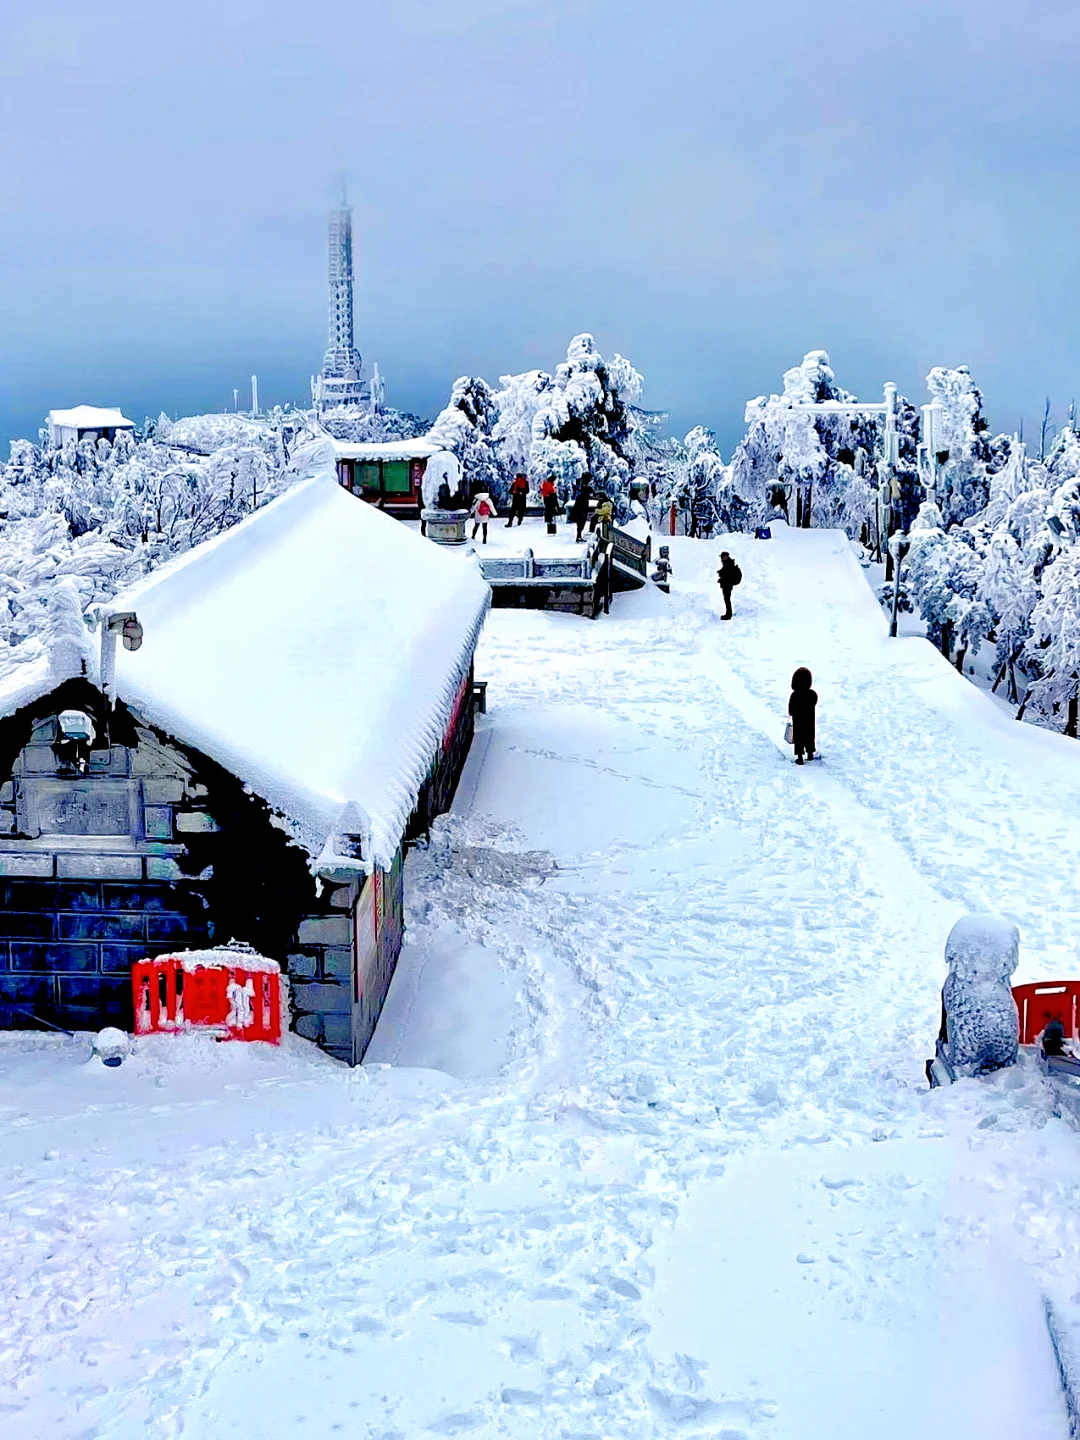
(664,1163)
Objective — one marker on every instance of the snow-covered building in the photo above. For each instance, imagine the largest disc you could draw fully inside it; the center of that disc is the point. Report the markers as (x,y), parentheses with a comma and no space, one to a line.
(296,704)
(86,422)
(390,473)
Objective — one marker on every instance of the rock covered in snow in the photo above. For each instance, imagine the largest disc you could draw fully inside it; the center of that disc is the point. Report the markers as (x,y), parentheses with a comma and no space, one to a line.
(983,1028)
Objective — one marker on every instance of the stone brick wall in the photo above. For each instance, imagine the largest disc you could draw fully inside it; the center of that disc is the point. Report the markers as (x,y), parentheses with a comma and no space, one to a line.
(320,971)
(67,946)
(89,875)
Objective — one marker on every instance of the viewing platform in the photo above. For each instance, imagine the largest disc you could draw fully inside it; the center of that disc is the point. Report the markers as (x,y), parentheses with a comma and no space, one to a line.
(529,569)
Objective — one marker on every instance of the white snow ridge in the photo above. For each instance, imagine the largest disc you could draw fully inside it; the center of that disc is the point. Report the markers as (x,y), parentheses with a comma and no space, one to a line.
(644,1147)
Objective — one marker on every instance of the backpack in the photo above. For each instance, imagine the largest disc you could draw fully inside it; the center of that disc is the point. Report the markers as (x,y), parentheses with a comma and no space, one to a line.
(736,574)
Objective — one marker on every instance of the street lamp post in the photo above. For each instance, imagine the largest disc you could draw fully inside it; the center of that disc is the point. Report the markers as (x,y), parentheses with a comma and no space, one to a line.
(899,545)
(930,448)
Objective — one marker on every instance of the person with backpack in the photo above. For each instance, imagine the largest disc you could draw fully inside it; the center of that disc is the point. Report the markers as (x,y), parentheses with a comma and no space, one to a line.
(483,511)
(802,707)
(519,496)
(729,575)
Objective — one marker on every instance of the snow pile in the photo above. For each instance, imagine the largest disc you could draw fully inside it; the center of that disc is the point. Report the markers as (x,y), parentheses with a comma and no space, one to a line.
(316,650)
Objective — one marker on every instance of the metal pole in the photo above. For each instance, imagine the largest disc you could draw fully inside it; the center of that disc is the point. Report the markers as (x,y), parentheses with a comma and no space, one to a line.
(898,548)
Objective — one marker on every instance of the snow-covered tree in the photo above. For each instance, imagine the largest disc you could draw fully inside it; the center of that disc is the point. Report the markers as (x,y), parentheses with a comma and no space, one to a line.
(586,423)
(91,518)
(943,572)
(962,450)
(518,402)
(465,428)
(1055,640)
(820,468)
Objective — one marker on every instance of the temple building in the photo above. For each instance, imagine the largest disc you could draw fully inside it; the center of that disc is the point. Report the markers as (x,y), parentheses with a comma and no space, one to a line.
(86,422)
(243,750)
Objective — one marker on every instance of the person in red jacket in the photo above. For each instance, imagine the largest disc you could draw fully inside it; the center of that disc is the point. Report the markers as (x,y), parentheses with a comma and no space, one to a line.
(519,497)
(549,494)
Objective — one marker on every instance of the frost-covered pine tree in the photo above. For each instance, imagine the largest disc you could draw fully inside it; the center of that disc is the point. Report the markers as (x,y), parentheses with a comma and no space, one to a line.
(1015,543)
(1054,646)
(587,423)
(465,427)
(517,403)
(963,453)
(944,571)
(819,469)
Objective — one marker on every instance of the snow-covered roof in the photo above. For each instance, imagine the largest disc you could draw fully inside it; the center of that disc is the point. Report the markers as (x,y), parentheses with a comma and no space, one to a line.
(314,651)
(420,448)
(90,417)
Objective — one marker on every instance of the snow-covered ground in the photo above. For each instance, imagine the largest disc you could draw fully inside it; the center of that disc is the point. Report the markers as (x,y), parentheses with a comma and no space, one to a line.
(644,1147)
(505,541)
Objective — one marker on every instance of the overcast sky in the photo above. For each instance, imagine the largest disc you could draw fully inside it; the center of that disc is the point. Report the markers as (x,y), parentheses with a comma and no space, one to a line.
(711,189)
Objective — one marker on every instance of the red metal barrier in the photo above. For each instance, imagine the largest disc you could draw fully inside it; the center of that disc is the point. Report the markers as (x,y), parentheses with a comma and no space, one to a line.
(208,990)
(1047,1000)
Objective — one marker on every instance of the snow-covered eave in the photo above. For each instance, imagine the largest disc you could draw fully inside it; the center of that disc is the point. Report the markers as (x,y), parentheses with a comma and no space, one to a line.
(419,449)
(34,680)
(385,839)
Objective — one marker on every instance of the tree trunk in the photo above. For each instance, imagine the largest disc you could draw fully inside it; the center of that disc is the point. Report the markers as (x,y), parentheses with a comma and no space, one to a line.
(999,676)
(1070,723)
(1023,703)
(946,640)
(960,658)
(806,507)
(1014,694)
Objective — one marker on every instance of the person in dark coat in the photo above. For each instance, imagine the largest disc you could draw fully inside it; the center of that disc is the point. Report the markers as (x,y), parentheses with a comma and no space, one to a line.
(549,494)
(802,707)
(578,514)
(519,498)
(729,575)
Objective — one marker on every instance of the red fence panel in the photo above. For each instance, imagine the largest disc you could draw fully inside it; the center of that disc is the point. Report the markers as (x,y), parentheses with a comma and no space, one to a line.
(176,992)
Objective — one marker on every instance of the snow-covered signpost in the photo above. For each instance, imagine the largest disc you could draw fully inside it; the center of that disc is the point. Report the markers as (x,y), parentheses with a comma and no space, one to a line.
(890,450)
